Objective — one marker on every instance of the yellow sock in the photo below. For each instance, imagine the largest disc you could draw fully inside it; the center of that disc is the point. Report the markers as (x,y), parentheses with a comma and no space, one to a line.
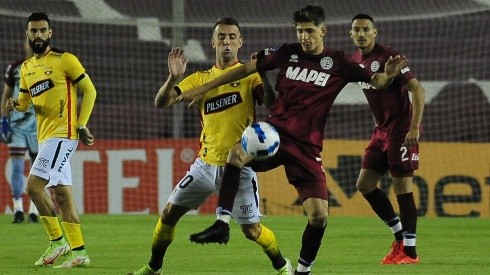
(52,227)
(267,240)
(163,235)
(73,234)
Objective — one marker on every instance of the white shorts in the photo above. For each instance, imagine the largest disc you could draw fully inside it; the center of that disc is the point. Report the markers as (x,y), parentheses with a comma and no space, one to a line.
(204,179)
(53,161)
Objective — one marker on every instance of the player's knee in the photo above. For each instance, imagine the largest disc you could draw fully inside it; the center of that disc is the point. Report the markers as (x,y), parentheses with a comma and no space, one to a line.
(251,231)
(364,188)
(318,217)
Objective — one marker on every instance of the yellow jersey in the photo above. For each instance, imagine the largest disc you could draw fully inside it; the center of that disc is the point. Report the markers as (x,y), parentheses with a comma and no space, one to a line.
(224,112)
(49,83)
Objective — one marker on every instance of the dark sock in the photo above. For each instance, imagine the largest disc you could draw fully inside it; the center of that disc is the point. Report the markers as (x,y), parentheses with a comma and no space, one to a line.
(384,209)
(311,241)
(408,216)
(229,188)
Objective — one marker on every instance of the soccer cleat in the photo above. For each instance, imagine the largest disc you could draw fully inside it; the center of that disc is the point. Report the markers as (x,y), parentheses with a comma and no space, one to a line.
(403,258)
(33,218)
(18,217)
(396,249)
(78,258)
(146,270)
(54,250)
(219,232)
(287,269)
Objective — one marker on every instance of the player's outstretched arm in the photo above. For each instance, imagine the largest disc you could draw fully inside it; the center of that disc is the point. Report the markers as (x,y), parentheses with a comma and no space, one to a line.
(177,63)
(195,95)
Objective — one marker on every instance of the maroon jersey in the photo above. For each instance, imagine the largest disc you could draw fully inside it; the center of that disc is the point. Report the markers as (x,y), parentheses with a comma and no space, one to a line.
(391,107)
(307,86)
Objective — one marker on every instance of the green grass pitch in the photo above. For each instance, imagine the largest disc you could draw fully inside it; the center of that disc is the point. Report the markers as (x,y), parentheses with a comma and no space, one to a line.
(118,244)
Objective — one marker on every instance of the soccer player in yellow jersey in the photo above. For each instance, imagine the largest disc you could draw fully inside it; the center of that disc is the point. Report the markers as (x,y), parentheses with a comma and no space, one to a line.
(50,81)
(225,112)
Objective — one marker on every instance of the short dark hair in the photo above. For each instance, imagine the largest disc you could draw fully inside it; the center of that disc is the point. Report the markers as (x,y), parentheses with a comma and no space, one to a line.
(362,16)
(227,21)
(38,16)
(309,13)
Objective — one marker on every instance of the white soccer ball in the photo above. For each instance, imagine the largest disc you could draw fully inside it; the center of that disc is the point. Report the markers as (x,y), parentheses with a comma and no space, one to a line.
(260,140)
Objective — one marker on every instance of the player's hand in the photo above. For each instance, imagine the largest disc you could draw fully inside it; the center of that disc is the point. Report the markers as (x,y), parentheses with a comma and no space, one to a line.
(253,56)
(11,103)
(85,136)
(6,131)
(394,65)
(412,137)
(177,62)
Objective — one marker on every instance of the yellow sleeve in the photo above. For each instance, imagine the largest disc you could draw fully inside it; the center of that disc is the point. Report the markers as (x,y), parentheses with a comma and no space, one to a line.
(89,95)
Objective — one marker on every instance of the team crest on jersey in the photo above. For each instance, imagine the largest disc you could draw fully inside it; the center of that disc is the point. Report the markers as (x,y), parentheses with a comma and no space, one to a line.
(235,84)
(293,58)
(48,70)
(326,63)
(375,66)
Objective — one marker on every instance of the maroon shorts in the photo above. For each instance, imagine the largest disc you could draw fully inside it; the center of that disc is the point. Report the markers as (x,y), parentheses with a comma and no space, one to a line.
(387,153)
(303,165)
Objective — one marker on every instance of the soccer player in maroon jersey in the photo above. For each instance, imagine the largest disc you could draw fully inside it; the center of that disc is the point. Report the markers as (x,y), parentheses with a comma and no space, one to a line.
(394,143)
(309,79)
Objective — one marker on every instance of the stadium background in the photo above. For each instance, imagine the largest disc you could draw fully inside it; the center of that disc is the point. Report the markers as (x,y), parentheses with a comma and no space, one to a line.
(142,151)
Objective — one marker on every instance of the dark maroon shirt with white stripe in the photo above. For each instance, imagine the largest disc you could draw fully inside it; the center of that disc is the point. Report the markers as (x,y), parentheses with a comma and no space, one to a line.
(391,107)
(307,86)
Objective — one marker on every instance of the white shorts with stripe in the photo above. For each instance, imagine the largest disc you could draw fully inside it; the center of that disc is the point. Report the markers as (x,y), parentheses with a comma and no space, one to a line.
(53,161)
(204,179)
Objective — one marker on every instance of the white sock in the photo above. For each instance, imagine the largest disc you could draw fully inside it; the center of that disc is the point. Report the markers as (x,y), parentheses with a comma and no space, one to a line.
(18,206)
(33,209)
(302,268)
(225,218)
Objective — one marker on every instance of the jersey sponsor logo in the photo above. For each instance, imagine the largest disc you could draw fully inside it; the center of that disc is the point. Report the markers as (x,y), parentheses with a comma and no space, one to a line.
(308,76)
(222,102)
(326,63)
(40,87)
(375,66)
(293,58)
(366,86)
(404,70)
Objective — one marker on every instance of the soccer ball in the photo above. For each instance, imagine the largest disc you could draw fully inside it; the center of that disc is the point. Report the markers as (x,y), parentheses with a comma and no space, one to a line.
(260,140)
